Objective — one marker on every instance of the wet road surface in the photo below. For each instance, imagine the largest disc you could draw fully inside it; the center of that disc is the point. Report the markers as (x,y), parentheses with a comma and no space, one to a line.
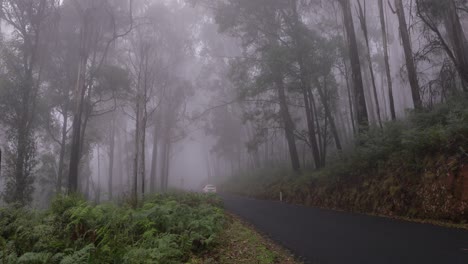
(329,237)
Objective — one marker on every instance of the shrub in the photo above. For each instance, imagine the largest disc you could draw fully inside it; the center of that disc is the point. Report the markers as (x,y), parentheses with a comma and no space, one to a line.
(166,229)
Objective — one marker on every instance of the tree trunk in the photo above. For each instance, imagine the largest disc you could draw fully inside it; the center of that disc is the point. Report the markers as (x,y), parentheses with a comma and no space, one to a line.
(457,40)
(76,127)
(136,157)
(128,160)
(360,101)
(410,66)
(111,155)
(85,121)
(98,191)
(350,97)
(165,156)
(317,124)
(305,85)
(154,159)
(363,20)
(140,126)
(288,124)
(325,136)
(142,166)
(208,166)
(139,158)
(20,164)
(88,179)
(121,172)
(144,119)
(168,165)
(63,144)
(328,113)
(387,62)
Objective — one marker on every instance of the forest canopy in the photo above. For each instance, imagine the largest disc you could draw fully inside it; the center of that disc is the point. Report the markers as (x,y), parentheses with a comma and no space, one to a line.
(123,98)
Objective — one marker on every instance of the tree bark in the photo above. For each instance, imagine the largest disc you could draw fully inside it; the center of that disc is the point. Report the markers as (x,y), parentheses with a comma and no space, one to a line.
(111,156)
(98,190)
(88,180)
(457,40)
(128,160)
(363,20)
(154,159)
(142,166)
(135,172)
(76,127)
(288,124)
(360,101)
(383,26)
(168,164)
(410,65)
(165,160)
(317,124)
(325,136)
(328,113)
(63,144)
(136,155)
(350,97)
(121,171)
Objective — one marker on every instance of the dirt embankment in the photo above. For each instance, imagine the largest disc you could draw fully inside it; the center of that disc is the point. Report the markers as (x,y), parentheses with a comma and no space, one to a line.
(438,192)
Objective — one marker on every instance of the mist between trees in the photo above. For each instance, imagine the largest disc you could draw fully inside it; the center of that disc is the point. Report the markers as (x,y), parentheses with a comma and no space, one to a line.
(116,99)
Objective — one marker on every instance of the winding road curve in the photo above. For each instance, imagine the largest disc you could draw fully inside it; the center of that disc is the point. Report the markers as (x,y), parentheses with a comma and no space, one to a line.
(329,237)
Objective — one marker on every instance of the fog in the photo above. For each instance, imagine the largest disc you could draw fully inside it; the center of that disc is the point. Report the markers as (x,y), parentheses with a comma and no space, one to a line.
(118,99)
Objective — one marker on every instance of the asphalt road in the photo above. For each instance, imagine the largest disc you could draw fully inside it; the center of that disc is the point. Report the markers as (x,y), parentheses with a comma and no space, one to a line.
(324,236)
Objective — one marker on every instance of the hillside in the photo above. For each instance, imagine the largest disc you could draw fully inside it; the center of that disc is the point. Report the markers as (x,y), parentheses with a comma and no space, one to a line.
(416,168)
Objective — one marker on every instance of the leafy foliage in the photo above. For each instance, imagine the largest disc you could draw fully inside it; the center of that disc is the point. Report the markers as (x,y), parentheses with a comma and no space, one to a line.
(166,229)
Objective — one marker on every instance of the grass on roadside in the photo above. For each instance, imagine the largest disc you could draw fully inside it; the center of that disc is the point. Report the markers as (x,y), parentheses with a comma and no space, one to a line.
(241,244)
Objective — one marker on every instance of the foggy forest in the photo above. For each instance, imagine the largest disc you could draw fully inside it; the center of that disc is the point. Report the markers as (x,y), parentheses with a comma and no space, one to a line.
(132,131)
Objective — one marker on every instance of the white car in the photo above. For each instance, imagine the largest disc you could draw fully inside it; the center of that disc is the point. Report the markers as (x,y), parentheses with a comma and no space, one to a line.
(209,189)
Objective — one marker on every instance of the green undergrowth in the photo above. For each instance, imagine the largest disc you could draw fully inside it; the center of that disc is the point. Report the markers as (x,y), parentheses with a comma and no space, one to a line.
(169,228)
(410,168)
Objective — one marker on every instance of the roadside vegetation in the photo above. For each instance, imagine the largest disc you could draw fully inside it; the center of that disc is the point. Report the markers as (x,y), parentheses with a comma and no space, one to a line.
(241,244)
(166,229)
(172,228)
(414,168)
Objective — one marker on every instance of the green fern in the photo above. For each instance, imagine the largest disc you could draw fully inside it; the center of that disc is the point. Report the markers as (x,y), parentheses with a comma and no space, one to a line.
(81,256)
(166,229)
(35,258)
